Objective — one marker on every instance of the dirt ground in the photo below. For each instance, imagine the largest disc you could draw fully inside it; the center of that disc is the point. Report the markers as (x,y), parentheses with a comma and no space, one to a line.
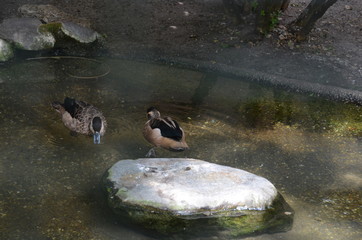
(200,29)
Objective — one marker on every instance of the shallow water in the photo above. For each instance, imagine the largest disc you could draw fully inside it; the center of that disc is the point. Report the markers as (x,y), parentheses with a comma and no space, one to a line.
(308,147)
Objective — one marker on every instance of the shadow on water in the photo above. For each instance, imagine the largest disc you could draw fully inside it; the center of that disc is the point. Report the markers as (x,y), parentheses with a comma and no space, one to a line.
(308,147)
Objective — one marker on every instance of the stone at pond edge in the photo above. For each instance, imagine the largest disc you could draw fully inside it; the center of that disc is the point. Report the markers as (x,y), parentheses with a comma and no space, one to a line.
(6,52)
(71,30)
(171,195)
(25,34)
(73,27)
(79,33)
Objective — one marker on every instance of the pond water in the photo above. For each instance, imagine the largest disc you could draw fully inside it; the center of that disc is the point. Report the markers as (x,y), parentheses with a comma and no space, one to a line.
(309,148)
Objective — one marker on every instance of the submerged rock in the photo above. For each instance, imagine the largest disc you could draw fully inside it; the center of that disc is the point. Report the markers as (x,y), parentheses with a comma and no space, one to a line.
(25,34)
(172,195)
(6,52)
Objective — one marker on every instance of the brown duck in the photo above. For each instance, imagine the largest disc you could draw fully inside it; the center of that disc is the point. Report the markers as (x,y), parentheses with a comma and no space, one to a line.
(81,117)
(163,132)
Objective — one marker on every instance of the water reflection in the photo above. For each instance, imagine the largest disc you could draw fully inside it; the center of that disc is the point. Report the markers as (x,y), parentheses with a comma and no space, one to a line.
(309,148)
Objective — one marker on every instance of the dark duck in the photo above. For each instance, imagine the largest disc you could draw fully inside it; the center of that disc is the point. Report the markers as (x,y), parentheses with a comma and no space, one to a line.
(163,132)
(81,117)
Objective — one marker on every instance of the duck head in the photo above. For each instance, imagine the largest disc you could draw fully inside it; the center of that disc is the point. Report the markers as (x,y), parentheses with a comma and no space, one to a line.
(152,112)
(96,127)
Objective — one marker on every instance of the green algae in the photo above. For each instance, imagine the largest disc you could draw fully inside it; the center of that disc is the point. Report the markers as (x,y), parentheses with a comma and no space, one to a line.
(306,113)
(277,218)
(53,27)
(6,51)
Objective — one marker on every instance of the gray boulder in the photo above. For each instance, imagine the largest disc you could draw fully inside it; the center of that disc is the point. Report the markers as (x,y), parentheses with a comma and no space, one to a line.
(6,52)
(79,33)
(55,19)
(63,31)
(171,195)
(25,34)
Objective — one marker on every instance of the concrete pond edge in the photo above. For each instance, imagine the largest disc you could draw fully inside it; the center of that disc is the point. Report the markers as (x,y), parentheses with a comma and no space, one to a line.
(290,84)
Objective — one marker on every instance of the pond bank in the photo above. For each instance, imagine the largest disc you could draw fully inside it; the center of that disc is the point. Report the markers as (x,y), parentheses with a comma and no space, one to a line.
(200,30)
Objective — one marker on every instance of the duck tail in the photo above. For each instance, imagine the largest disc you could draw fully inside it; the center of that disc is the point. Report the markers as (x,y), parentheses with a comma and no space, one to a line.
(58,106)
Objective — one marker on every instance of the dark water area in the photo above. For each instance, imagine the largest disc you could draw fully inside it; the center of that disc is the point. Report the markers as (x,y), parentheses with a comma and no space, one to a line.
(309,148)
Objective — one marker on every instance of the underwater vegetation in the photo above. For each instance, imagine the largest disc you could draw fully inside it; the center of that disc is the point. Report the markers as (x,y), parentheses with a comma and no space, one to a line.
(305,112)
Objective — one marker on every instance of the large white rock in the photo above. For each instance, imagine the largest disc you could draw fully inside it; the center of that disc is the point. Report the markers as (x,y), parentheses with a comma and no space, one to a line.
(188,198)
(185,186)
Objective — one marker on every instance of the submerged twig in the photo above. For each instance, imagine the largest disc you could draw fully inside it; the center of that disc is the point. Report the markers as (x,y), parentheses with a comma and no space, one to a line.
(74,57)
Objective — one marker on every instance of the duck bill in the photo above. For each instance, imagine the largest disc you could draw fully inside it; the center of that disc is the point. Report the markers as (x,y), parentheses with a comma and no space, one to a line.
(97,138)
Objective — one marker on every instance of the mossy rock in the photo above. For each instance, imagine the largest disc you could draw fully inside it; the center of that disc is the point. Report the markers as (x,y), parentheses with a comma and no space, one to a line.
(24,34)
(190,197)
(6,51)
(307,112)
(71,30)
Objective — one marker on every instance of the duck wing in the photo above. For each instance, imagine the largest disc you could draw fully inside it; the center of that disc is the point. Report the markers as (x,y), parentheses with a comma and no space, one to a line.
(70,106)
(169,128)
(74,107)
(82,104)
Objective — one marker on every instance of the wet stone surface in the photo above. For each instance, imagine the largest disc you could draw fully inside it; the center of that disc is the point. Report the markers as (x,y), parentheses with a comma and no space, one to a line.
(43,27)
(168,190)
(188,186)
(23,32)
(79,33)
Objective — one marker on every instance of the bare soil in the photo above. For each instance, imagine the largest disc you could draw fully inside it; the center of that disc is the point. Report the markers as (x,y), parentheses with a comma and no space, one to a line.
(201,29)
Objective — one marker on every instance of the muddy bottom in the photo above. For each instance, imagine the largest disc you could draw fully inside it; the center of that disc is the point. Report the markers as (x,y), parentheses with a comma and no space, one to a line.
(309,148)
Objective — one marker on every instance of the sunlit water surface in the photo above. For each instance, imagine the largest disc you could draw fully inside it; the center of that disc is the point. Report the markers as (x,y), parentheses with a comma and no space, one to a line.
(50,180)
